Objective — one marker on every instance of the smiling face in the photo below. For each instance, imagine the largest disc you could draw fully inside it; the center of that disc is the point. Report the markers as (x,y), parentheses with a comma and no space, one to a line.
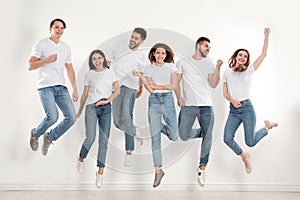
(203,48)
(160,55)
(97,61)
(135,41)
(57,29)
(242,58)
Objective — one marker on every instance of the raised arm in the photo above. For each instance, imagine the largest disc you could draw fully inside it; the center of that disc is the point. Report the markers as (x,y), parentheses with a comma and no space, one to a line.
(213,79)
(263,54)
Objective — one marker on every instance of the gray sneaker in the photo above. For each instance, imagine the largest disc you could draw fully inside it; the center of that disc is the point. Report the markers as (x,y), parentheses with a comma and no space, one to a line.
(34,143)
(45,145)
(158,177)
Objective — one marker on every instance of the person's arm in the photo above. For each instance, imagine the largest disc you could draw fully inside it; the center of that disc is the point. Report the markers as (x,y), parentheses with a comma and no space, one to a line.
(83,100)
(213,79)
(148,84)
(171,86)
(263,54)
(35,63)
(180,100)
(71,76)
(140,89)
(113,95)
(234,102)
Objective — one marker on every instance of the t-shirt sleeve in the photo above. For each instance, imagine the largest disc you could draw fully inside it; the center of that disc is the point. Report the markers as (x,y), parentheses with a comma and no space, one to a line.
(251,69)
(36,50)
(86,79)
(69,56)
(212,67)
(225,76)
(147,71)
(173,68)
(114,76)
(179,67)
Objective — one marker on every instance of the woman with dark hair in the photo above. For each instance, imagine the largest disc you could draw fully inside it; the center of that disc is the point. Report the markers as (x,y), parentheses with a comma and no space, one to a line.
(161,81)
(236,88)
(97,95)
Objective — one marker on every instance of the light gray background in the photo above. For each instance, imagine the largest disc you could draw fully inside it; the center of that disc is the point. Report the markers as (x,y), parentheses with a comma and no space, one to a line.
(229,24)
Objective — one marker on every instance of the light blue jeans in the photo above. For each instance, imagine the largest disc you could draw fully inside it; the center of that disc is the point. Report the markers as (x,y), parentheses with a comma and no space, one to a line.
(122,108)
(205,116)
(102,115)
(50,97)
(245,115)
(161,105)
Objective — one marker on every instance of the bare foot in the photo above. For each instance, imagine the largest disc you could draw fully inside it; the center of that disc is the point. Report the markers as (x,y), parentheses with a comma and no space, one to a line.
(246,160)
(269,125)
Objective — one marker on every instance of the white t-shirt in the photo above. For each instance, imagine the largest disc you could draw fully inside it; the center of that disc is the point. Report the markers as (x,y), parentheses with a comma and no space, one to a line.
(101,84)
(195,86)
(52,74)
(160,75)
(239,83)
(124,61)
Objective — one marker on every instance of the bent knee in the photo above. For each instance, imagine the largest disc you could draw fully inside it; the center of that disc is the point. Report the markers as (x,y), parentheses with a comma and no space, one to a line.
(174,138)
(183,137)
(250,144)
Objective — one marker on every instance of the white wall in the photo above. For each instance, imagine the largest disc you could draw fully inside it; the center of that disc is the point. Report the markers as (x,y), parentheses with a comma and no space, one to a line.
(229,24)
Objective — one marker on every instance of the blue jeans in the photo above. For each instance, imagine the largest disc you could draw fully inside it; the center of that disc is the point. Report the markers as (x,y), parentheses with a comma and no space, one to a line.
(122,107)
(205,116)
(161,105)
(102,114)
(245,115)
(50,97)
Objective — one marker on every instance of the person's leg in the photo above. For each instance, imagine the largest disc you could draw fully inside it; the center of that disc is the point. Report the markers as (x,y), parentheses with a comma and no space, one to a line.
(169,115)
(235,118)
(64,102)
(117,108)
(231,126)
(206,121)
(155,123)
(186,120)
(104,121)
(127,119)
(90,134)
(249,122)
(48,102)
(90,130)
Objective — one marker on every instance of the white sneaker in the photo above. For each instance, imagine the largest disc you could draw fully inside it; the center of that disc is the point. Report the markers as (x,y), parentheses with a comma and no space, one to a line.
(99,180)
(79,166)
(201,177)
(127,162)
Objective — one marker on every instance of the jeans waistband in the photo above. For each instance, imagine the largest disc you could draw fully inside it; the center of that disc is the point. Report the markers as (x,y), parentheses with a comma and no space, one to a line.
(161,94)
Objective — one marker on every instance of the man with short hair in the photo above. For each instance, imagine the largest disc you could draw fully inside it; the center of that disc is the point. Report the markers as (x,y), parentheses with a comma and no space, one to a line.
(125,60)
(51,56)
(198,75)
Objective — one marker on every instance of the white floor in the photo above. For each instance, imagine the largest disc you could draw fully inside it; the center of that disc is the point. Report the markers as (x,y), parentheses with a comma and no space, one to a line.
(145,195)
